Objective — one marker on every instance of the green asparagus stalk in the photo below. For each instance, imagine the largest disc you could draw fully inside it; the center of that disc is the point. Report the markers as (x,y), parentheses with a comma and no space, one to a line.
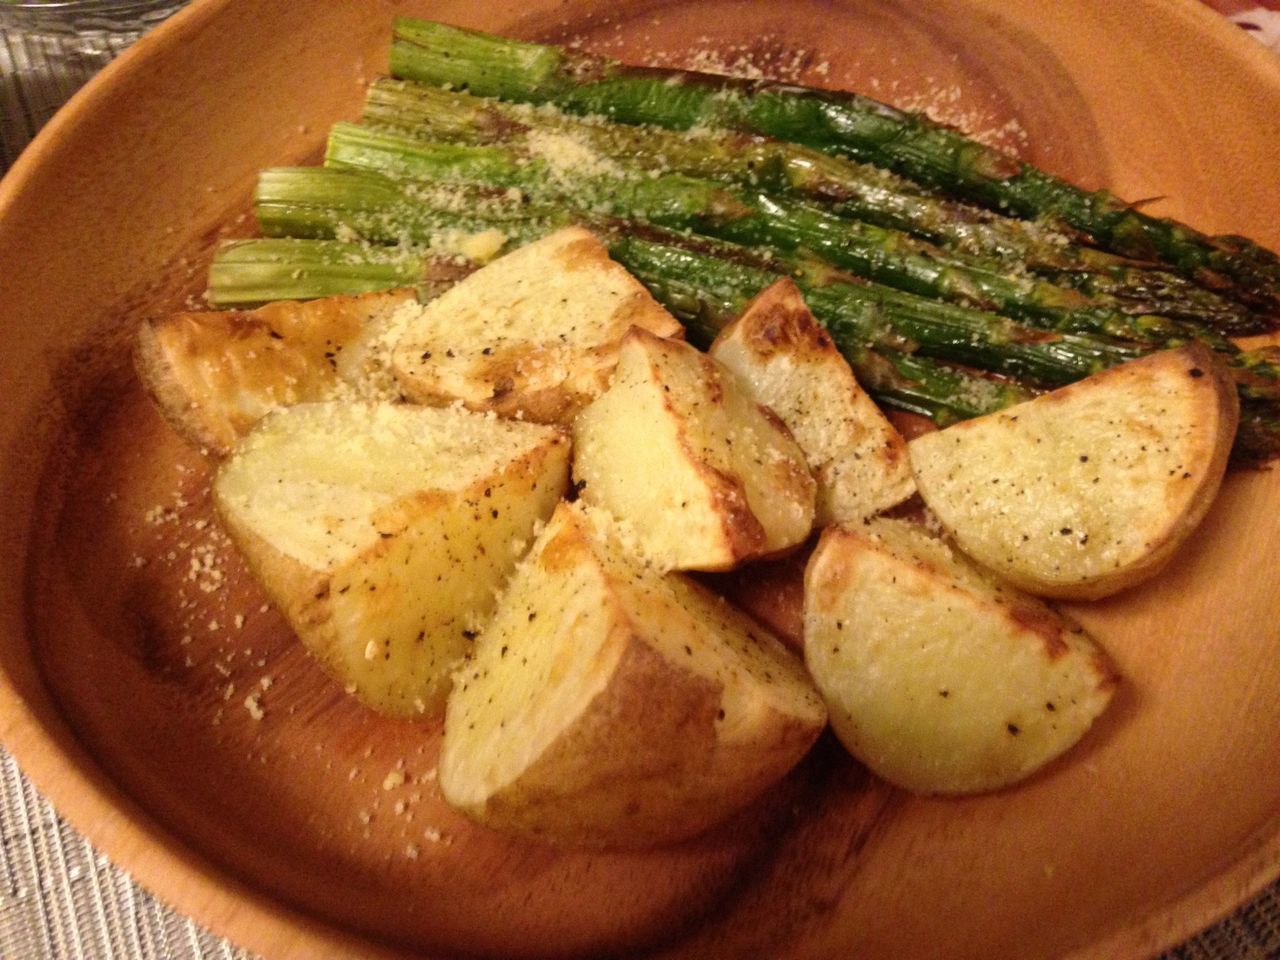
(752,217)
(1257,373)
(326,203)
(1139,290)
(892,258)
(336,203)
(843,123)
(864,192)
(855,190)
(249,272)
(856,312)
(1258,435)
(313,200)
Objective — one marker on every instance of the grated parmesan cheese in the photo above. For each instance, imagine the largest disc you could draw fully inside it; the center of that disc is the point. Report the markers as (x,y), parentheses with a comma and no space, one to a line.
(254,706)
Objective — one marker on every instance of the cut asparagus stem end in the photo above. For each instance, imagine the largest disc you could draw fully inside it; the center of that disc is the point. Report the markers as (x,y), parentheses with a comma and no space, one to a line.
(248,273)
(494,66)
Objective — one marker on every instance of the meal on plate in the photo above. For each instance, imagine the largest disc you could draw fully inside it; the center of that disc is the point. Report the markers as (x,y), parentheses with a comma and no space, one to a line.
(548,344)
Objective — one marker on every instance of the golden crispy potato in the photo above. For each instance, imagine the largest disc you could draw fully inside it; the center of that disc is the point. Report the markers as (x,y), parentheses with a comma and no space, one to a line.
(937,677)
(1090,489)
(534,333)
(609,705)
(214,374)
(790,364)
(383,531)
(702,475)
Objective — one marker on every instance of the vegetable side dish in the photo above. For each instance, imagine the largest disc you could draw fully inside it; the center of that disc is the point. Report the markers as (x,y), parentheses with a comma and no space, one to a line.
(549,338)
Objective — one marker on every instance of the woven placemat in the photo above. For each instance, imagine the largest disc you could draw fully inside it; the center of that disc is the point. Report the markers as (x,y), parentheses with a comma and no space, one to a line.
(62,900)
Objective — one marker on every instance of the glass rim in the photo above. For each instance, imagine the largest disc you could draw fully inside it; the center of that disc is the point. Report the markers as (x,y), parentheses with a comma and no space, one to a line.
(86,16)
(85,6)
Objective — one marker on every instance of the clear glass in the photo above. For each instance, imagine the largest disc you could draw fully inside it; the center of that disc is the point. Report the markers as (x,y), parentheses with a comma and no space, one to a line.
(49,48)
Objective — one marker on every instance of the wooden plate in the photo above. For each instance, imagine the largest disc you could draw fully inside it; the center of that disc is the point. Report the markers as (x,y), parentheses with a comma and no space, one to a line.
(169,714)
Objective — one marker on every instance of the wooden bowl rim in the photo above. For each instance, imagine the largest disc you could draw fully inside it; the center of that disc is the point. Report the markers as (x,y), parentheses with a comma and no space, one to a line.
(85,795)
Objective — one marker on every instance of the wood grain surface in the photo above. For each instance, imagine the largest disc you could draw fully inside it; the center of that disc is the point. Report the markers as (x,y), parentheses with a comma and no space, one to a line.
(148,689)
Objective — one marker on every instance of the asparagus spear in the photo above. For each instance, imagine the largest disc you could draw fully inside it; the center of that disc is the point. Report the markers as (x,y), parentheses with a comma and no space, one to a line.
(833,122)
(315,202)
(324,203)
(1257,373)
(865,192)
(855,190)
(320,202)
(752,217)
(249,272)
(1258,436)
(856,312)
(1161,292)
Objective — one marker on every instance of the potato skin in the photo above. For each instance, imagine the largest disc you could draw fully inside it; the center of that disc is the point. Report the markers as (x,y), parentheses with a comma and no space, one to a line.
(1088,490)
(594,786)
(938,677)
(214,374)
(652,713)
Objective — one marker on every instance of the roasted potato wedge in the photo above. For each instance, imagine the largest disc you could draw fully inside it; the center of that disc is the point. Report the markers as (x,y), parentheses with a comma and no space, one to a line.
(609,705)
(1090,489)
(789,363)
(704,476)
(383,532)
(214,374)
(937,677)
(535,333)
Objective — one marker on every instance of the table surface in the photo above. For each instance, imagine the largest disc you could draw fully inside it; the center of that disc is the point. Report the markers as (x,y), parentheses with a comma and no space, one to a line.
(60,898)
